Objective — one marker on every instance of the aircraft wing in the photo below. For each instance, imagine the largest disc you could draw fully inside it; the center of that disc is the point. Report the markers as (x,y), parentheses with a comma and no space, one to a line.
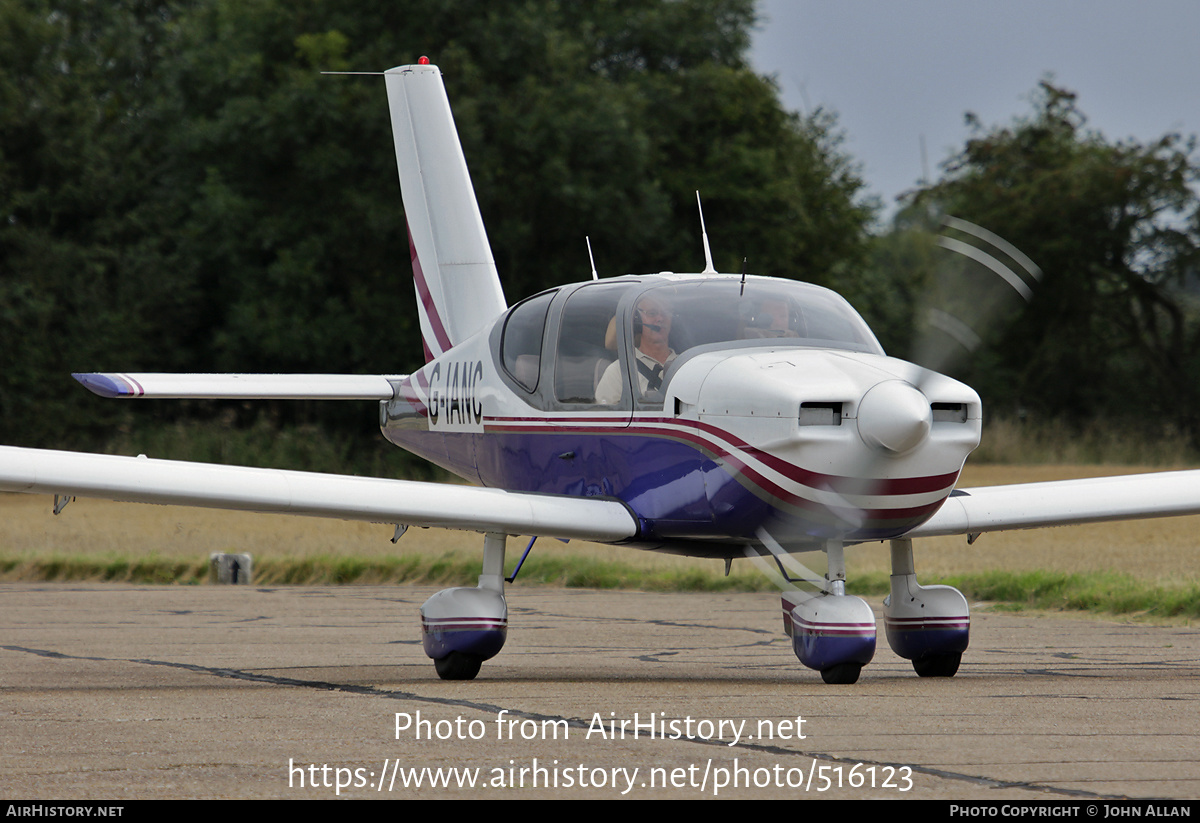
(376,500)
(241,386)
(1065,503)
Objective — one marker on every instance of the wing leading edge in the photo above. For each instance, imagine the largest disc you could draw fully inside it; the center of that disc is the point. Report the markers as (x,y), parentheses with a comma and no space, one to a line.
(240,386)
(1065,503)
(376,500)
(379,500)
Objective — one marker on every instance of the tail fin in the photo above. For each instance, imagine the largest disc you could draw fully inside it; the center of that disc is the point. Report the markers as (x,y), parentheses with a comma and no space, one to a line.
(458,288)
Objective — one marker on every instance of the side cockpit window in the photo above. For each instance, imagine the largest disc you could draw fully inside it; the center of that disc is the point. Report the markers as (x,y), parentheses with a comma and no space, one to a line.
(521,344)
(587,342)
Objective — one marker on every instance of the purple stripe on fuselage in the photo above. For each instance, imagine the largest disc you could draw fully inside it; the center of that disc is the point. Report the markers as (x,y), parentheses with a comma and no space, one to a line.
(682,484)
(870,520)
(721,443)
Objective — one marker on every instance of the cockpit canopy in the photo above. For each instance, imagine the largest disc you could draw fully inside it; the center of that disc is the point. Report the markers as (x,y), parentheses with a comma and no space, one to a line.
(721,310)
(578,346)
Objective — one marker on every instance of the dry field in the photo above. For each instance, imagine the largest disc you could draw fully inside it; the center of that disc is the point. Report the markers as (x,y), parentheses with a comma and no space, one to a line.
(1154,550)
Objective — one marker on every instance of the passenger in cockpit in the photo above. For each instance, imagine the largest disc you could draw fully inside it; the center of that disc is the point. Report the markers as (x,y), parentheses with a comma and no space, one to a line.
(772,318)
(652,332)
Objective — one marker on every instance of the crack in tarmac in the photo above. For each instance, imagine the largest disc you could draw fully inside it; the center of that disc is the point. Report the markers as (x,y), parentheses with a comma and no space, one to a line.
(573,722)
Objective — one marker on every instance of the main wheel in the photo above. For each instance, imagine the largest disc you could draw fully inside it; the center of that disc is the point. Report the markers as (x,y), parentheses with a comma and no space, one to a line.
(458,666)
(843,674)
(938,665)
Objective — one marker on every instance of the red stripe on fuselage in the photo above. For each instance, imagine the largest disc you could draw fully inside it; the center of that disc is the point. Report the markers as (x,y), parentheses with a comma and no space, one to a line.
(676,429)
(721,445)
(828,482)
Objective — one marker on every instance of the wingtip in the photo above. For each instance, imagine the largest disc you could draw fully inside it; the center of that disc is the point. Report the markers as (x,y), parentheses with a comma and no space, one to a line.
(109,385)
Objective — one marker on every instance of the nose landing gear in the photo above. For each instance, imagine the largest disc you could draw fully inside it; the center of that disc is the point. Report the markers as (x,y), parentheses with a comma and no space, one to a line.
(831,631)
(834,633)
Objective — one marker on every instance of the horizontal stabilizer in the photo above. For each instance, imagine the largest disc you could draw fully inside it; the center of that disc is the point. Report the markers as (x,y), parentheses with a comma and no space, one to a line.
(372,499)
(1065,503)
(241,386)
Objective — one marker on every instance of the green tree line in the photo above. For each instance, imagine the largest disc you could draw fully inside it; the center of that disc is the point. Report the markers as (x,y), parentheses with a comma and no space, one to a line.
(181,189)
(1112,331)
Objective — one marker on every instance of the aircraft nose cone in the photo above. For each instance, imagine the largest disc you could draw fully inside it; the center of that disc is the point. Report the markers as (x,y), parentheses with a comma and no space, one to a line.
(894,416)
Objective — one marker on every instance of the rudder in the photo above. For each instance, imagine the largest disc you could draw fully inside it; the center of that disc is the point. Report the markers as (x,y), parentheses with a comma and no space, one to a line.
(458,287)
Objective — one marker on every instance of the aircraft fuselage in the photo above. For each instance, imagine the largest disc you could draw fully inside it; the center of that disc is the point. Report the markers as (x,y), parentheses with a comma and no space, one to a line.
(751,427)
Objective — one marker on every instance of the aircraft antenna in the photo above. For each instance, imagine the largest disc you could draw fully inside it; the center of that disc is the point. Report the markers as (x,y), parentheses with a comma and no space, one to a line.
(708,264)
(591,259)
(742,290)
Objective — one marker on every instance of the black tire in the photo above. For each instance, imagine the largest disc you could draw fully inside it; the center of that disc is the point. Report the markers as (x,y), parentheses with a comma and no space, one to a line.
(458,666)
(843,674)
(938,665)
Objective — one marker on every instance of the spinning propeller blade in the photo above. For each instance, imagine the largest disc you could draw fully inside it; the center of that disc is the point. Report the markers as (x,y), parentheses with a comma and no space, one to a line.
(979,281)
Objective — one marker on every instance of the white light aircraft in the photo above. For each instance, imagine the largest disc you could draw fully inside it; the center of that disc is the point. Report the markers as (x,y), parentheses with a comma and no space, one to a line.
(703,414)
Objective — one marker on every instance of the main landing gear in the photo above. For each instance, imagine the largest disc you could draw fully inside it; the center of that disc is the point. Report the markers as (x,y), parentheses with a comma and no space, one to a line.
(831,631)
(462,627)
(929,625)
(834,632)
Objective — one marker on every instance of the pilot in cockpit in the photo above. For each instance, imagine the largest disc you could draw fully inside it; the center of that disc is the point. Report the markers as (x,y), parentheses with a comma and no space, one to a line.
(652,331)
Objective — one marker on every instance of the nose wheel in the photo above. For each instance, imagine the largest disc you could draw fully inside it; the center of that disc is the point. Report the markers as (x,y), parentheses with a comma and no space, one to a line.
(458,666)
(834,633)
(843,674)
(938,665)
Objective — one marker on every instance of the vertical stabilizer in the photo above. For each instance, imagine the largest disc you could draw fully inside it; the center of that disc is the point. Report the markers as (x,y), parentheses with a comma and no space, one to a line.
(458,288)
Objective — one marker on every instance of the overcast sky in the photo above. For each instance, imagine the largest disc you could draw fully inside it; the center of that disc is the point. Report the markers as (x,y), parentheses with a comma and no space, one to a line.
(896,71)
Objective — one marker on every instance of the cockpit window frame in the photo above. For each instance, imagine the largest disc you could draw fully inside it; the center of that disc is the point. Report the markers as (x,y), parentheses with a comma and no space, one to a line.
(589,347)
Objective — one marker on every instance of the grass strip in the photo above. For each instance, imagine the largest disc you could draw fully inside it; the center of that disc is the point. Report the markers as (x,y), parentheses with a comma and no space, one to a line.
(1096,592)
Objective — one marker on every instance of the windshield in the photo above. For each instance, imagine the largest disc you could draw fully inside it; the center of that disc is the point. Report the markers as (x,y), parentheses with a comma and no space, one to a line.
(655,321)
(709,311)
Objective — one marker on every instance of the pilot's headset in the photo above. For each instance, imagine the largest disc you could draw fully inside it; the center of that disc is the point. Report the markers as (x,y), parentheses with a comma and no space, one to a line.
(638,322)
